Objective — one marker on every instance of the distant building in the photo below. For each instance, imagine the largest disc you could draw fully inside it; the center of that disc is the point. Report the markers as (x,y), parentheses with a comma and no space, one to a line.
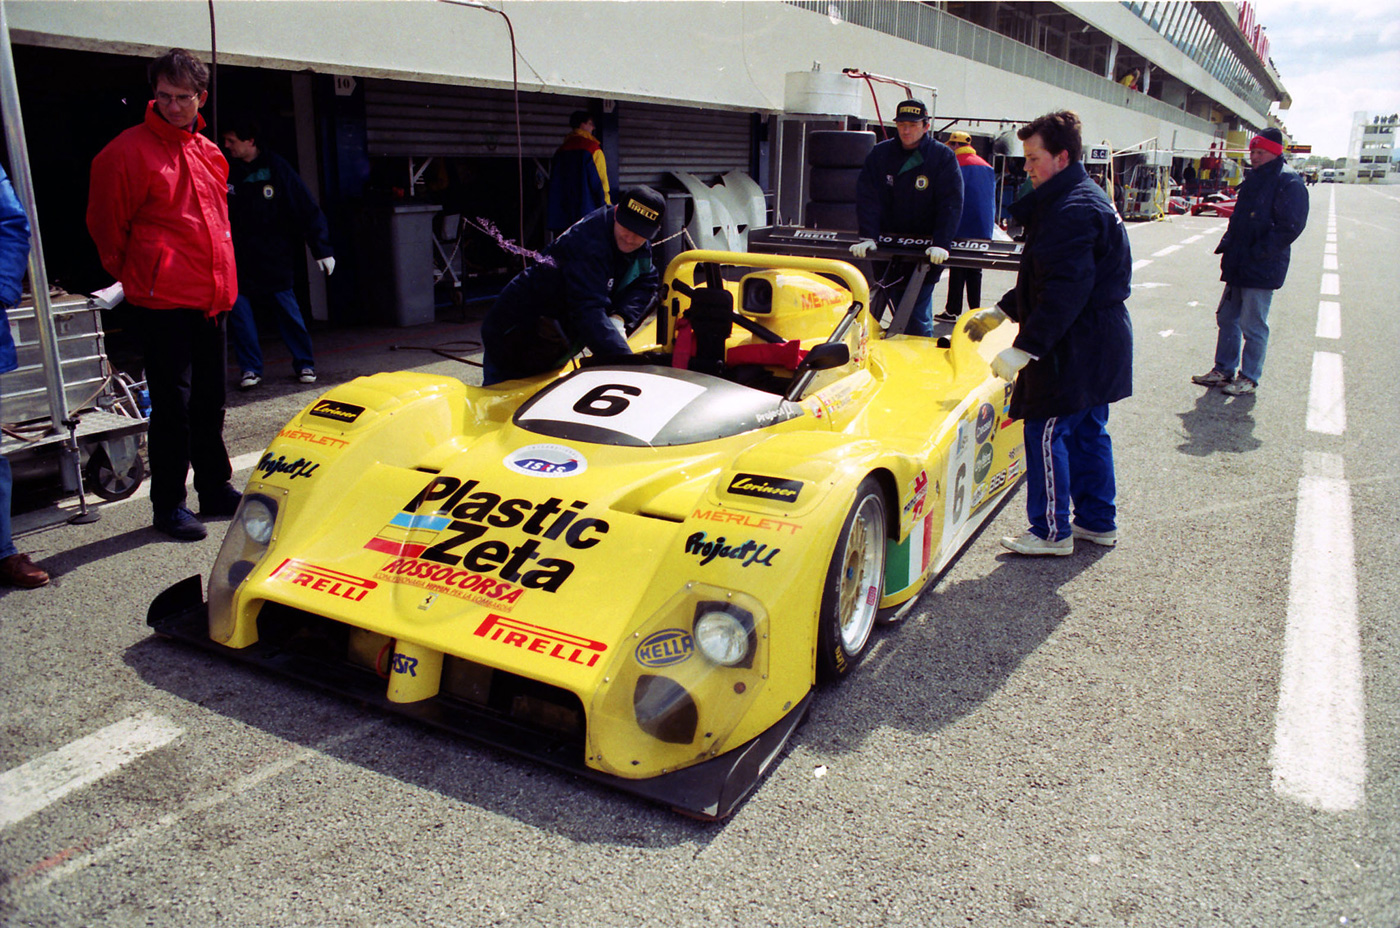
(1371,154)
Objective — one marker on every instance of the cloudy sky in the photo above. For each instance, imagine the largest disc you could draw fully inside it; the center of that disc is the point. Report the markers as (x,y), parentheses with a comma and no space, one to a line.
(1335,58)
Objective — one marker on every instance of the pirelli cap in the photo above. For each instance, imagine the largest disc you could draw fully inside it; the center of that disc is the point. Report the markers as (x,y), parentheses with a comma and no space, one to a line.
(911,111)
(959,137)
(640,210)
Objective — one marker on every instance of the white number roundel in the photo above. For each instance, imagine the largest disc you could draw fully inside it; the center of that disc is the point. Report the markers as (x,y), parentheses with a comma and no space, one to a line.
(633,403)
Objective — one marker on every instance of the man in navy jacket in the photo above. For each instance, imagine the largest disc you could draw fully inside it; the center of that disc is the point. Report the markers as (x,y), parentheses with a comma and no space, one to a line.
(910,185)
(979,201)
(1074,350)
(1270,213)
(598,271)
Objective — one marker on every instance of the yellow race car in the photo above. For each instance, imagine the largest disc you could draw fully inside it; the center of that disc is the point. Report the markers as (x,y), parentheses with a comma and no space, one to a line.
(638,572)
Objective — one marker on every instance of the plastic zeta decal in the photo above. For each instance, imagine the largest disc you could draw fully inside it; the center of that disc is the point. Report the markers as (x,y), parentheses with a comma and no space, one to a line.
(546,461)
(633,403)
(340,412)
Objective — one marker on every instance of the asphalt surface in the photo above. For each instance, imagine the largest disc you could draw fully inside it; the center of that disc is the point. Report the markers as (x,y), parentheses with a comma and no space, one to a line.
(1080,741)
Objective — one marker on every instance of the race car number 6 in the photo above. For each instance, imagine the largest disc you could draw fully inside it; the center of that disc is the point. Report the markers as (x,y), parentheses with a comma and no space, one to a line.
(600,401)
(634,403)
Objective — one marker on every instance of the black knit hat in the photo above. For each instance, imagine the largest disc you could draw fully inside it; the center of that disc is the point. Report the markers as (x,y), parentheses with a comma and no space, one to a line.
(1273,135)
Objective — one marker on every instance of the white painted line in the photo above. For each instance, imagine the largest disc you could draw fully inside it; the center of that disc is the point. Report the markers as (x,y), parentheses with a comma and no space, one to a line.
(1332,237)
(1327,411)
(1166,251)
(1142,263)
(1331,284)
(1329,319)
(1192,240)
(44,780)
(1330,248)
(1329,262)
(1319,755)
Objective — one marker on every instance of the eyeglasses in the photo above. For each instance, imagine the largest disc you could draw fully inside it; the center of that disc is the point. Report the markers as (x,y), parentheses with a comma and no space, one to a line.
(181,98)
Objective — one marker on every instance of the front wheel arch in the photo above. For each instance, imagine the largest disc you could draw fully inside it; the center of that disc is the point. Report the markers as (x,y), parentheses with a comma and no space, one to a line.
(854,583)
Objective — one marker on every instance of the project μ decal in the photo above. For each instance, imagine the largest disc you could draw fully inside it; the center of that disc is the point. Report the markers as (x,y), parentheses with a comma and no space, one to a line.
(982,465)
(986,420)
(323,580)
(665,648)
(774,488)
(268,465)
(340,412)
(747,521)
(538,639)
(451,538)
(747,553)
(546,461)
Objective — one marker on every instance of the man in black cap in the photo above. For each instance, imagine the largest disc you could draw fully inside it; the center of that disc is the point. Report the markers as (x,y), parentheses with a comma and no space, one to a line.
(911,185)
(593,281)
(1270,213)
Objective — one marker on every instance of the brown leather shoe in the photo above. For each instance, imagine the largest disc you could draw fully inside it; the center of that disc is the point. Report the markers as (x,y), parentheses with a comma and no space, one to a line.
(18,570)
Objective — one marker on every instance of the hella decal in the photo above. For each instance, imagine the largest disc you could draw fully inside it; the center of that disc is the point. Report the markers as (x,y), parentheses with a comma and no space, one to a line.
(301,467)
(340,412)
(774,488)
(571,649)
(450,522)
(546,461)
(750,552)
(665,648)
(323,580)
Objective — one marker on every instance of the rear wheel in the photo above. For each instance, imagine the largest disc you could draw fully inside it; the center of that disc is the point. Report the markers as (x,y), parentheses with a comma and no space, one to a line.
(851,597)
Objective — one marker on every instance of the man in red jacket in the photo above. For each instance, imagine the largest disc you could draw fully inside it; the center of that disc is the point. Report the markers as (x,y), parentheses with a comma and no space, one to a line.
(158,211)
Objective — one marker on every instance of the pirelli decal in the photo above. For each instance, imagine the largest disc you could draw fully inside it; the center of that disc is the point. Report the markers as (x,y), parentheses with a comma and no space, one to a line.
(340,412)
(770,488)
(572,649)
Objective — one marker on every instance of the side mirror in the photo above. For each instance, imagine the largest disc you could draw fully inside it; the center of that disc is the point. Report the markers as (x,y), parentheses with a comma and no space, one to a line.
(825,357)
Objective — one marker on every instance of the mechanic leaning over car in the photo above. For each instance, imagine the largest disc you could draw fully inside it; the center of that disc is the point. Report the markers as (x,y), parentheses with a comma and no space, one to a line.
(910,185)
(1270,213)
(592,281)
(1074,350)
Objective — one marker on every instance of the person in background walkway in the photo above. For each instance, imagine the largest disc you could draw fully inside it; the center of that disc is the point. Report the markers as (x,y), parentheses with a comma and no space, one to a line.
(158,213)
(596,279)
(578,175)
(1270,212)
(272,212)
(1074,350)
(979,203)
(15,569)
(910,185)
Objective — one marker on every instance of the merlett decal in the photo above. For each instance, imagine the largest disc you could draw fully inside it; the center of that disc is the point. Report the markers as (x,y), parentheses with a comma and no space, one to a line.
(774,488)
(312,438)
(747,521)
(750,552)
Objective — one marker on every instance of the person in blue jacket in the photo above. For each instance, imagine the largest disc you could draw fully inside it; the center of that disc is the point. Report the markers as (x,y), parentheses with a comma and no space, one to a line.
(1073,355)
(578,175)
(910,185)
(272,213)
(1270,213)
(15,569)
(594,280)
(979,203)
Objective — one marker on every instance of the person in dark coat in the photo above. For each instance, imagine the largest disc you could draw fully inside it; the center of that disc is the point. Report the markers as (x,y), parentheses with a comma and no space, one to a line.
(1270,213)
(979,201)
(1074,350)
(578,175)
(272,213)
(910,185)
(592,282)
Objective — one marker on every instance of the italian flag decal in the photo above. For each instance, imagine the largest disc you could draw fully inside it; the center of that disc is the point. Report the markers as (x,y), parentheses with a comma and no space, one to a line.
(907,560)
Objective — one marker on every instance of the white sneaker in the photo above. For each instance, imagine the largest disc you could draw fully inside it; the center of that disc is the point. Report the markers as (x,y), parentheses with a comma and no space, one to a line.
(249,381)
(306,375)
(1240,387)
(1213,378)
(1108,539)
(1035,546)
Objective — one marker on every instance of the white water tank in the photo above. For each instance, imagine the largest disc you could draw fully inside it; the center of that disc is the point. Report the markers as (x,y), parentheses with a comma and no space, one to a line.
(821,93)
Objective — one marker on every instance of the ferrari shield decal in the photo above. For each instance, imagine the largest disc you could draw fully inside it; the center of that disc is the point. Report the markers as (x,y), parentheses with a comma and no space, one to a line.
(546,461)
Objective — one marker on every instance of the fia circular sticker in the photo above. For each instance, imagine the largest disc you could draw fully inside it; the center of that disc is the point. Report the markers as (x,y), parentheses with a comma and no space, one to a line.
(546,461)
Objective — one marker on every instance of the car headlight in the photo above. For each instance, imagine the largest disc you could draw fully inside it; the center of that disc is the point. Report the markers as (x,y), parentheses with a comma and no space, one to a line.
(245,544)
(258,518)
(722,635)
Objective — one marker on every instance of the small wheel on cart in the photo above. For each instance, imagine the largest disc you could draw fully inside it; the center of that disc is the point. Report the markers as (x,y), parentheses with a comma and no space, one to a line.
(100,477)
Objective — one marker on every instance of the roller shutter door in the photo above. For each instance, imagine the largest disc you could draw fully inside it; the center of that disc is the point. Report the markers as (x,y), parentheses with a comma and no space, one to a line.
(653,140)
(404,119)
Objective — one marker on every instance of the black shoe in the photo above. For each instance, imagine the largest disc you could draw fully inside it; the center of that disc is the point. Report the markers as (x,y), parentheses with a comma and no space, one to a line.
(180,524)
(944,317)
(221,502)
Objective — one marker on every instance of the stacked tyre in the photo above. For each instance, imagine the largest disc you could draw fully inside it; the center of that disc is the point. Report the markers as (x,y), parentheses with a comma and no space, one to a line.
(835,158)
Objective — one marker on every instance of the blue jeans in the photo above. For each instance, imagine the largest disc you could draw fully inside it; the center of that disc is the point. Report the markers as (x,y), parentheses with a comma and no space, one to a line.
(1079,455)
(293,328)
(1243,315)
(7,544)
(921,320)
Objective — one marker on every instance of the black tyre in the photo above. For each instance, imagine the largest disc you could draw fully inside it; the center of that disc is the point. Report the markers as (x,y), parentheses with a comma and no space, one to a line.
(854,584)
(834,185)
(834,148)
(103,480)
(832,216)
